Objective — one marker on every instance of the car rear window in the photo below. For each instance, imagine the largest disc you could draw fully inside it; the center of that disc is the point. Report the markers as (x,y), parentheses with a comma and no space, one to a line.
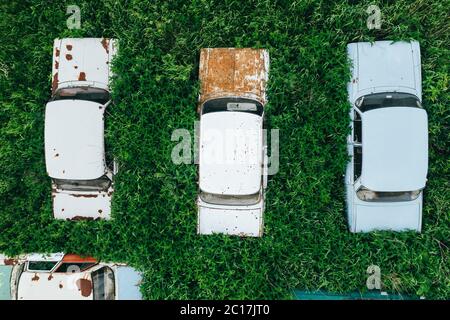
(233,104)
(83,93)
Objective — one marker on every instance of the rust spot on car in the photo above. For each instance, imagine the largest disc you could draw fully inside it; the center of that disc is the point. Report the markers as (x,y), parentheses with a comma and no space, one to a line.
(9,262)
(56,52)
(82,76)
(50,277)
(105,44)
(69,47)
(55,82)
(110,193)
(69,57)
(60,286)
(56,155)
(100,210)
(56,64)
(35,278)
(85,286)
(76,67)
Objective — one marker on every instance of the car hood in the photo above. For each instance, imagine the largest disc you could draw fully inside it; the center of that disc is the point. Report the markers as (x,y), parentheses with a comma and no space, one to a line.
(78,61)
(77,205)
(74,145)
(395,149)
(385,64)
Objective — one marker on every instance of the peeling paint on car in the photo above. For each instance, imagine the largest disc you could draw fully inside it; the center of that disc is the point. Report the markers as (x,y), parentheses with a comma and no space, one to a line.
(85,286)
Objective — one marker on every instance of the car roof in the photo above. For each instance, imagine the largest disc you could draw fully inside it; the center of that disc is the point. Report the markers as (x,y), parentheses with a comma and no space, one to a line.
(55,286)
(74,140)
(395,149)
(230,153)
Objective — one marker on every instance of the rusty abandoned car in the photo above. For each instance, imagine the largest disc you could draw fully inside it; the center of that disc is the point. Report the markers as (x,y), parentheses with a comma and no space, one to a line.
(74,129)
(233,150)
(60,276)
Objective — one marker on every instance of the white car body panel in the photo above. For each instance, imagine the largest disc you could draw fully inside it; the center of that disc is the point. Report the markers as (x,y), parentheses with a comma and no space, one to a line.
(74,140)
(231,153)
(395,149)
(82,62)
(384,66)
(79,205)
(232,220)
(394,140)
(366,216)
(36,286)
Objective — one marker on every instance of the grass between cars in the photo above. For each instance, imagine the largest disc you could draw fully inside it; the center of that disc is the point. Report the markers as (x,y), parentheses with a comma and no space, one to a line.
(306,244)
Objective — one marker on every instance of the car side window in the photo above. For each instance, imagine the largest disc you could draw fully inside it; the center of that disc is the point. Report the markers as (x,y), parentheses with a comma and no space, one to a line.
(73,267)
(357,127)
(41,265)
(357,162)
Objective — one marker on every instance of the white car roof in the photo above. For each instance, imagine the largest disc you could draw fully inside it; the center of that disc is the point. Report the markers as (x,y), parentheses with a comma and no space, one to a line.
(395,149)
(82,60)
(54,286)
(385,64)
(74,142)
(230,153)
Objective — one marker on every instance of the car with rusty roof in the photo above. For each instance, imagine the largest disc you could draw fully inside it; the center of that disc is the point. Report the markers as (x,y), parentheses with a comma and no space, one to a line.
(80,168)
(388,143)
(60,276)
(232,145)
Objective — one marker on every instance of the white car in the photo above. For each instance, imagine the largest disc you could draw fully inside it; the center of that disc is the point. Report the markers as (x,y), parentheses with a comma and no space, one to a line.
(233,151)
(388,144)
(60,276)
(75,153)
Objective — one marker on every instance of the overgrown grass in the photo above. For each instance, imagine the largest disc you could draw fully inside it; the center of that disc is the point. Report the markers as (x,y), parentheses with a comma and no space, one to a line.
(306,244)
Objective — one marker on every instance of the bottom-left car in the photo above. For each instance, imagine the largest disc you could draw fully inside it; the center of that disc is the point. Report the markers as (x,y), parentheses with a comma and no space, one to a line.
(62,276)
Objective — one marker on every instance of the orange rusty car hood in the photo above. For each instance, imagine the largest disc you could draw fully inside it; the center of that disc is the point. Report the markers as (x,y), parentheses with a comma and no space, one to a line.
(236,72)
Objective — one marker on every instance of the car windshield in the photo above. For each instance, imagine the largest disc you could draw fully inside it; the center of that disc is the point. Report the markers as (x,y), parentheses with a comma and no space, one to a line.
(103,284)
(382,100)
(376,196)
(233,104)
(99,184)
(83,93)
(230,200)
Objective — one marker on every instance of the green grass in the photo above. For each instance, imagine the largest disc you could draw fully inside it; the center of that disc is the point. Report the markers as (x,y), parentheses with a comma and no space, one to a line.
(306,244)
